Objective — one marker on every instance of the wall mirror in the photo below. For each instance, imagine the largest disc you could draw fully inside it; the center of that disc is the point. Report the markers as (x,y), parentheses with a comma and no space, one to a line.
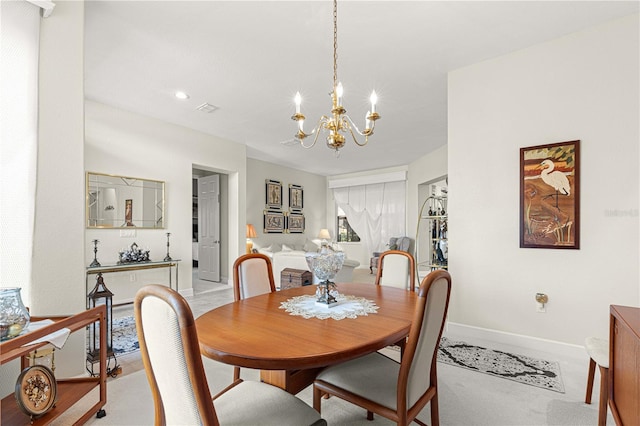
(123,201)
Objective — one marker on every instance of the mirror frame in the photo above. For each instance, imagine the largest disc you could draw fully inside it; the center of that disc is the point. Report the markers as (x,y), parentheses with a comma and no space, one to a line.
(161,221)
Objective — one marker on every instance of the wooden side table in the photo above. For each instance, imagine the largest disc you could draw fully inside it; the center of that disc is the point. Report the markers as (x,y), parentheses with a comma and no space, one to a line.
(624,365)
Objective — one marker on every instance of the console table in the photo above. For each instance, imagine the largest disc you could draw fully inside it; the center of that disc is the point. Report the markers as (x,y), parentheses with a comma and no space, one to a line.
(134,266)
(624,365)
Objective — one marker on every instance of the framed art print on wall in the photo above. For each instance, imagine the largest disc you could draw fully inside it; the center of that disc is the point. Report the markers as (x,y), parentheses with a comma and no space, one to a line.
(273,222)
(295,223)
(273,194)
(296,198)
(550,196)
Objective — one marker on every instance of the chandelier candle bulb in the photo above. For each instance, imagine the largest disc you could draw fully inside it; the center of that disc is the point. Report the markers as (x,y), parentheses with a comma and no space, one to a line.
(298,101)
(339,92)
(374,99)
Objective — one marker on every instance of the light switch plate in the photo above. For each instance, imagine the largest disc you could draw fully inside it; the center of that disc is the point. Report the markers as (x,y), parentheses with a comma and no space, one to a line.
(127,233)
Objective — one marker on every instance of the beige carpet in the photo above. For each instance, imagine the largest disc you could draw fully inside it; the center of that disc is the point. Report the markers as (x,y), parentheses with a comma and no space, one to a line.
(466,398)
(130,402)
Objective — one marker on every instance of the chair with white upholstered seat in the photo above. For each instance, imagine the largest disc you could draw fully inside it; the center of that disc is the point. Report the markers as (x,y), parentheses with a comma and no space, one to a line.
(379,384)
(598,350)
(175,371)
(396,268)
(252,276)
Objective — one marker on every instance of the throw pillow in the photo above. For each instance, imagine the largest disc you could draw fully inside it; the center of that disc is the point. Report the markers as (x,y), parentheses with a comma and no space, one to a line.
(286,248)
(310,246)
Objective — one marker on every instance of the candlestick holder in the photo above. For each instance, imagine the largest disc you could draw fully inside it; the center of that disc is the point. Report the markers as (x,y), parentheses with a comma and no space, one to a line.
(95,262)
(167,258)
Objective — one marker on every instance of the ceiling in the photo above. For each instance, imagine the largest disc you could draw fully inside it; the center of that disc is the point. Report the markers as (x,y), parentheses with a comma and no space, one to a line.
(248,58)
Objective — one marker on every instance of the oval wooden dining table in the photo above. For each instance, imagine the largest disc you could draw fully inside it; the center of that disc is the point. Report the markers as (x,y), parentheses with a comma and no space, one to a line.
(289,349)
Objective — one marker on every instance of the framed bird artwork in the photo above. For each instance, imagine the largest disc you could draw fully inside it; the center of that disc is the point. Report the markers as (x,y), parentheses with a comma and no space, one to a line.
(550,196)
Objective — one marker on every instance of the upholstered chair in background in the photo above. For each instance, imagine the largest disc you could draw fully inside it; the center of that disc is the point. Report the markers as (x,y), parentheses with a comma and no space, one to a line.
(252,276)
(397,269)
(395,243)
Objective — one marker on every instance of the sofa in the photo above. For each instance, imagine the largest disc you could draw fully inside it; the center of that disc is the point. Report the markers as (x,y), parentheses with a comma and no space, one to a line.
(283,256)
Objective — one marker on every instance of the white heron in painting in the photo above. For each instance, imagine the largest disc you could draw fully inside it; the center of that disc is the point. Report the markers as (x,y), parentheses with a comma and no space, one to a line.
(555,179)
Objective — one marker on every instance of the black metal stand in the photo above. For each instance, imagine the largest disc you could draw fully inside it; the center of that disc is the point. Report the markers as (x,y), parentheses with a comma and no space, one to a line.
(167,258)
(95,262)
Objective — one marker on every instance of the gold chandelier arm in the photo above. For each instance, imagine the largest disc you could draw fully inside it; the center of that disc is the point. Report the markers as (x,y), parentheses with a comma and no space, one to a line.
(348,124)
(322,124)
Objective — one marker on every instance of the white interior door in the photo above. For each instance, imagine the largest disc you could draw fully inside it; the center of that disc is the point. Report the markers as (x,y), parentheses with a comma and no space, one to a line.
(209,228)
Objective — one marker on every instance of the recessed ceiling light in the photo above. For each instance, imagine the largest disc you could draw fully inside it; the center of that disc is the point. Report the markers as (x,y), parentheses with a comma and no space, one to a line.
(181,95)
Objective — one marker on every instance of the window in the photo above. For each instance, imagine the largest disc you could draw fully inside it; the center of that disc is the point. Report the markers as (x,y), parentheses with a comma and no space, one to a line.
(346,234)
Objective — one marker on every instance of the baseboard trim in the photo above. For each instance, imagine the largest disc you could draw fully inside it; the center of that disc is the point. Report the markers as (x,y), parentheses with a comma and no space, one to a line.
(186,292)
(534,343)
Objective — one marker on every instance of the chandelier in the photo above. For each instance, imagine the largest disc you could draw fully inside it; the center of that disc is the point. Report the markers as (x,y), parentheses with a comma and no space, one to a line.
(338,123)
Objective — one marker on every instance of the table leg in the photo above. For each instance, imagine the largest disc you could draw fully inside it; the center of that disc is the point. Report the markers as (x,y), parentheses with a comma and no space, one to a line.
(293,381)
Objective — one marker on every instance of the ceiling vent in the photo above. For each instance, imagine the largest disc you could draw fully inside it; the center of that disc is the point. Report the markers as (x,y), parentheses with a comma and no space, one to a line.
(207,107)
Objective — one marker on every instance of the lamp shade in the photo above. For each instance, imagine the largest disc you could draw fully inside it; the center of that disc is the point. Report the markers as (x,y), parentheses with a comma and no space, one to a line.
(324,234)
(251,231)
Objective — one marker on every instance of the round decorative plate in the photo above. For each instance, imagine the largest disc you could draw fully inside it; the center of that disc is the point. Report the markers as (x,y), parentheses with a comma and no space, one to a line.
(36,390)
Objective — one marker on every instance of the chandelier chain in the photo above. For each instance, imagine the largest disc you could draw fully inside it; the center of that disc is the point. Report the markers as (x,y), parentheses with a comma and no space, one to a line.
(335,43)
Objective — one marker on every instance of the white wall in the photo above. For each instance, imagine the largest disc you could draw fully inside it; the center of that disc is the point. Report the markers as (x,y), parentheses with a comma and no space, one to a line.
(122,143)
(582,86)
(314,192)
(58,258)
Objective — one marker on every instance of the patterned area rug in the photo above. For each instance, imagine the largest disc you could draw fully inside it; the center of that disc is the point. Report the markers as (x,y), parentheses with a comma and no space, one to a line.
(125,338)
(519,368)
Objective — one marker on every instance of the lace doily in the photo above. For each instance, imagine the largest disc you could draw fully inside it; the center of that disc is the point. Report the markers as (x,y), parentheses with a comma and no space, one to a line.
(348,307)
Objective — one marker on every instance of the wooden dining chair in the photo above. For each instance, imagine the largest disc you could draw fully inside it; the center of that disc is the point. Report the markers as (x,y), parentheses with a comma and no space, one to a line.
(173,364)
(252,276)
(396,268)
(379,384)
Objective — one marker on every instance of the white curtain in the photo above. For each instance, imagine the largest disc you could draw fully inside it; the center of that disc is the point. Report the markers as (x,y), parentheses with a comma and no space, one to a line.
(20,33)
(376,212)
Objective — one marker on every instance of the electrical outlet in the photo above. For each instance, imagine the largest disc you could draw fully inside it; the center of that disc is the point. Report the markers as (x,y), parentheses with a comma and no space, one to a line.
(132,277)
(127,233)
(540,308)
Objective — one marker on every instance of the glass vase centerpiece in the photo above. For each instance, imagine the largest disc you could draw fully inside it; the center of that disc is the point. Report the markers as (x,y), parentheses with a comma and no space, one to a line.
(325,265)
(14,317)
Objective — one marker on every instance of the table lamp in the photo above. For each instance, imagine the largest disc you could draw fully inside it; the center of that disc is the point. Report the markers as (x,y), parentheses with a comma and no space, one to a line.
(251,233)
(324,235)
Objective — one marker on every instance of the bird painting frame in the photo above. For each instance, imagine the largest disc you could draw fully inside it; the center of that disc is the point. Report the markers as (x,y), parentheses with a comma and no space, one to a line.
(550,196)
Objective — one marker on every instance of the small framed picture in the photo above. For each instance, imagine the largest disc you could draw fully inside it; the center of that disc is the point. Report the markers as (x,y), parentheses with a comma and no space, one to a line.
(273,194)
(296,198)
(273,222)
(295,223)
